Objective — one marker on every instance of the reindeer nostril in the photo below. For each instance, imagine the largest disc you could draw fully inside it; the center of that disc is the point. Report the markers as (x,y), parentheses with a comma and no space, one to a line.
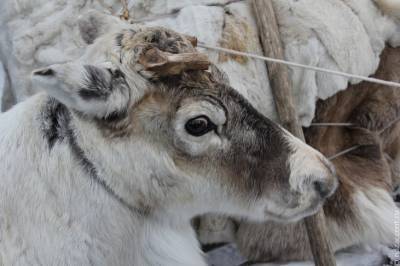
(323,188)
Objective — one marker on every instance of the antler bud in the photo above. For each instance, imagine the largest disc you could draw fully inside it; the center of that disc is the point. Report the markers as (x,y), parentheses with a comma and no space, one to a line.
(156,52)
(166,64)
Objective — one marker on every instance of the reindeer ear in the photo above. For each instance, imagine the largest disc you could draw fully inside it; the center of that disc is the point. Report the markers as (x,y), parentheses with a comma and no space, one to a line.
(94,24)
(94,91)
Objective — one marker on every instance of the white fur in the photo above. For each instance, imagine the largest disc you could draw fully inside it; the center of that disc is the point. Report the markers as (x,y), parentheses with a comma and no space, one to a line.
(377,211)
(52,213)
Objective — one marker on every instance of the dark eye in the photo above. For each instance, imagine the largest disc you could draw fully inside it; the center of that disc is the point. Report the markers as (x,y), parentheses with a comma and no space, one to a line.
(199,126)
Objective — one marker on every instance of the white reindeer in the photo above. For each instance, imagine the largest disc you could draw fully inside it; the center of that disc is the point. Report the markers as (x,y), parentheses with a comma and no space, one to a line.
(109,166)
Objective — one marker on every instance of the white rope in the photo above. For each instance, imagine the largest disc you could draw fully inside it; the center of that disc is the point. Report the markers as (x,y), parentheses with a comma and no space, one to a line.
(280,61)
(346,151)
(389,125)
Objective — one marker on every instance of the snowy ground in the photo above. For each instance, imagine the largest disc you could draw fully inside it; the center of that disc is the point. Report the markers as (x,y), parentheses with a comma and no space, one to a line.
(229,256)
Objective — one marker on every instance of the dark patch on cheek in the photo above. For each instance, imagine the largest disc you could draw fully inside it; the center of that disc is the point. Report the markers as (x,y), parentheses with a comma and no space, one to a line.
(270,175)
(253,173)
(261,151)
(271,171)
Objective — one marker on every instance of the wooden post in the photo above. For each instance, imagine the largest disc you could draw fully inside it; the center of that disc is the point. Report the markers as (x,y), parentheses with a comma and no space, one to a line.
(281,88)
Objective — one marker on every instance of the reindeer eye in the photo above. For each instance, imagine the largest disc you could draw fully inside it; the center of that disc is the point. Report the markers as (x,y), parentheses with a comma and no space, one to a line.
(199,126)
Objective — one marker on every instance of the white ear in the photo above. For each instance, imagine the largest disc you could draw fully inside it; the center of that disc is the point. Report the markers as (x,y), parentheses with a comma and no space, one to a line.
(94,24)
(94,91)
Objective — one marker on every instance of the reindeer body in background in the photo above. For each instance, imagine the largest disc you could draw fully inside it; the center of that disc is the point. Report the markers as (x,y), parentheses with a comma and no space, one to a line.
(362,210)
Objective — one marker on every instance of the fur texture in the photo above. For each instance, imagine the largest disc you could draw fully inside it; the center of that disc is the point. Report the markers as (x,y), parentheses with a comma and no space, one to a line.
(362,210)
(96,188)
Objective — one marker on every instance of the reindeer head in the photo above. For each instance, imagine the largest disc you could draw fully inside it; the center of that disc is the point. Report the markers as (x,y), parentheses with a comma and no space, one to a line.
(150,86)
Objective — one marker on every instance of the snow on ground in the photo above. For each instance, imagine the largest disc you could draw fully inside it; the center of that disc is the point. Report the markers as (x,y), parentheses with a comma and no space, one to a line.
(228,255)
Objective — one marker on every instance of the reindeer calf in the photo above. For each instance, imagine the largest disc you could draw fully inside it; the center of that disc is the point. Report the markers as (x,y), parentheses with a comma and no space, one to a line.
(111,164)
